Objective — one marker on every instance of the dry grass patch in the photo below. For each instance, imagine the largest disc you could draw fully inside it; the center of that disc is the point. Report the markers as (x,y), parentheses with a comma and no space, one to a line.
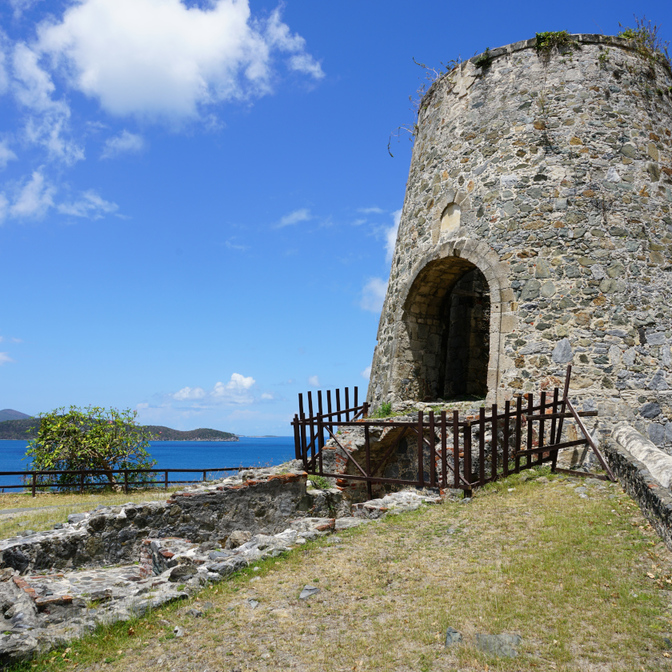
(47,509)
(584,580)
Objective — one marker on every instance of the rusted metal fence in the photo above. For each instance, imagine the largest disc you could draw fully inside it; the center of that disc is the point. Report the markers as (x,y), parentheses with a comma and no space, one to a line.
(451,452)
(34,480)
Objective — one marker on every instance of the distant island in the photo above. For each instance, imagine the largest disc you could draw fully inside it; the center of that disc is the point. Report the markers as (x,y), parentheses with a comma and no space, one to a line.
(9,414)
(18,426)
(160,433)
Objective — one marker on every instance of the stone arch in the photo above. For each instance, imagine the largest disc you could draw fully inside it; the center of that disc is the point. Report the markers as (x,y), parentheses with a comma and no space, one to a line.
(453,310)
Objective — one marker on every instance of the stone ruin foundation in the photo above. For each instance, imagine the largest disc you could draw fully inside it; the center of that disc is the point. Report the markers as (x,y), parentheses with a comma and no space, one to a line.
(116,563)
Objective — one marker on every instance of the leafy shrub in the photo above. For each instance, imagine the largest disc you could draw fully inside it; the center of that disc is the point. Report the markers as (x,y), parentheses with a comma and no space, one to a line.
(383,411)
(91,438)
(319,482)
(646,40)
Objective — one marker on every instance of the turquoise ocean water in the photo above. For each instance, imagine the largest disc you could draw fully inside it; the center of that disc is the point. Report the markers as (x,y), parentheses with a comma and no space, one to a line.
(247,452)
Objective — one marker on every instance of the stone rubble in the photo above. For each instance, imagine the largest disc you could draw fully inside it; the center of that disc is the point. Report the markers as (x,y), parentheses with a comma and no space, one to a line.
(44,609)
(503,646)
(398,502)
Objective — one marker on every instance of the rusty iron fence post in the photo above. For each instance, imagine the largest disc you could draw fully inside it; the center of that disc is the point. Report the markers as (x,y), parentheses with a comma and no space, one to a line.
(530,428)
(505,439)
(456,448)
(494,442)
(519,432)
(467,458)
(304,450)
(444,453)
(320,443)
(421,469)
(481,446)
(432,451)
(554,421)
(367,448)
(542,413)
(297,438)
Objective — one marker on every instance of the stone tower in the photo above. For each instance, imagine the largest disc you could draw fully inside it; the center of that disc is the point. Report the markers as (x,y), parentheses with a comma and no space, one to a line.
(536,232)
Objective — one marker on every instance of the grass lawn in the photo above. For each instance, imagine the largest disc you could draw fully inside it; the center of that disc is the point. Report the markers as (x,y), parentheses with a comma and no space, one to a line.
(51,508)
(577,573)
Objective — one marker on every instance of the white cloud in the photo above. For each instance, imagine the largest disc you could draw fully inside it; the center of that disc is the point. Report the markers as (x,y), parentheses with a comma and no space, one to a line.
(294,217)
(366,373)
(307,64)
(35,198)
(391,236)
(49,122)
(4,78)
(236,246)
(4,207)
(34,87)
(21,6)
(314,381)
(124,143)
(266,396)
(48,130)
(373,295)
(278,35)
(6,155)
(169,60)
(5,358)
(236,391)
(219,390)
(371,211)
(240,382)
(189,393)
(89,205)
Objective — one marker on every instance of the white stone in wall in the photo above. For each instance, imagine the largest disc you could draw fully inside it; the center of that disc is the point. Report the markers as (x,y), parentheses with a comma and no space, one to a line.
(655,460)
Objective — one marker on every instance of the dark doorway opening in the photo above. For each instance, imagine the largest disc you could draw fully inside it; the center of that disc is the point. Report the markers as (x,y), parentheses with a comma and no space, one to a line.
(465,347)
(447,320)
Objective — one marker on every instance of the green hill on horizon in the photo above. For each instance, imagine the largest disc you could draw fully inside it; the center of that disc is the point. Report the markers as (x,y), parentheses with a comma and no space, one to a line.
(160,433)
(26,429)
(11,414)
(19,430)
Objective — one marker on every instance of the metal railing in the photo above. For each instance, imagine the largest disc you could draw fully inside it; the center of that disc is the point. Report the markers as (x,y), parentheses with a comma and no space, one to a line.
(32,479)
(451,452)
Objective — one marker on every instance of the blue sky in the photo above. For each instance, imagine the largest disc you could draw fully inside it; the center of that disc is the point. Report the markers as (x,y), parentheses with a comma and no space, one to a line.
(197,203)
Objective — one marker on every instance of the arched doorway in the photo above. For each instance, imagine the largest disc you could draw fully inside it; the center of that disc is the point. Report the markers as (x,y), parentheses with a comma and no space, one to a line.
(447,321)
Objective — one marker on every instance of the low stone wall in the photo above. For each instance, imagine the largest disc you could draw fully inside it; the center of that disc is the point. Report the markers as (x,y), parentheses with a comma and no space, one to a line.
(258,502)
(635,475)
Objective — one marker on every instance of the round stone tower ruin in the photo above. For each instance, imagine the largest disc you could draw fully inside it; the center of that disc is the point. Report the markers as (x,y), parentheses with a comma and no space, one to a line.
(537,232)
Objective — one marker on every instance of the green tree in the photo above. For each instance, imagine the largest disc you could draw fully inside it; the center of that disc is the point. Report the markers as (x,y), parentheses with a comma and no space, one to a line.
(91,438)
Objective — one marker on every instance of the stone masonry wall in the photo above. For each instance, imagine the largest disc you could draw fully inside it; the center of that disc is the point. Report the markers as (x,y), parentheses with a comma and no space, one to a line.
(551,174)
(114,535)
(654,500)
